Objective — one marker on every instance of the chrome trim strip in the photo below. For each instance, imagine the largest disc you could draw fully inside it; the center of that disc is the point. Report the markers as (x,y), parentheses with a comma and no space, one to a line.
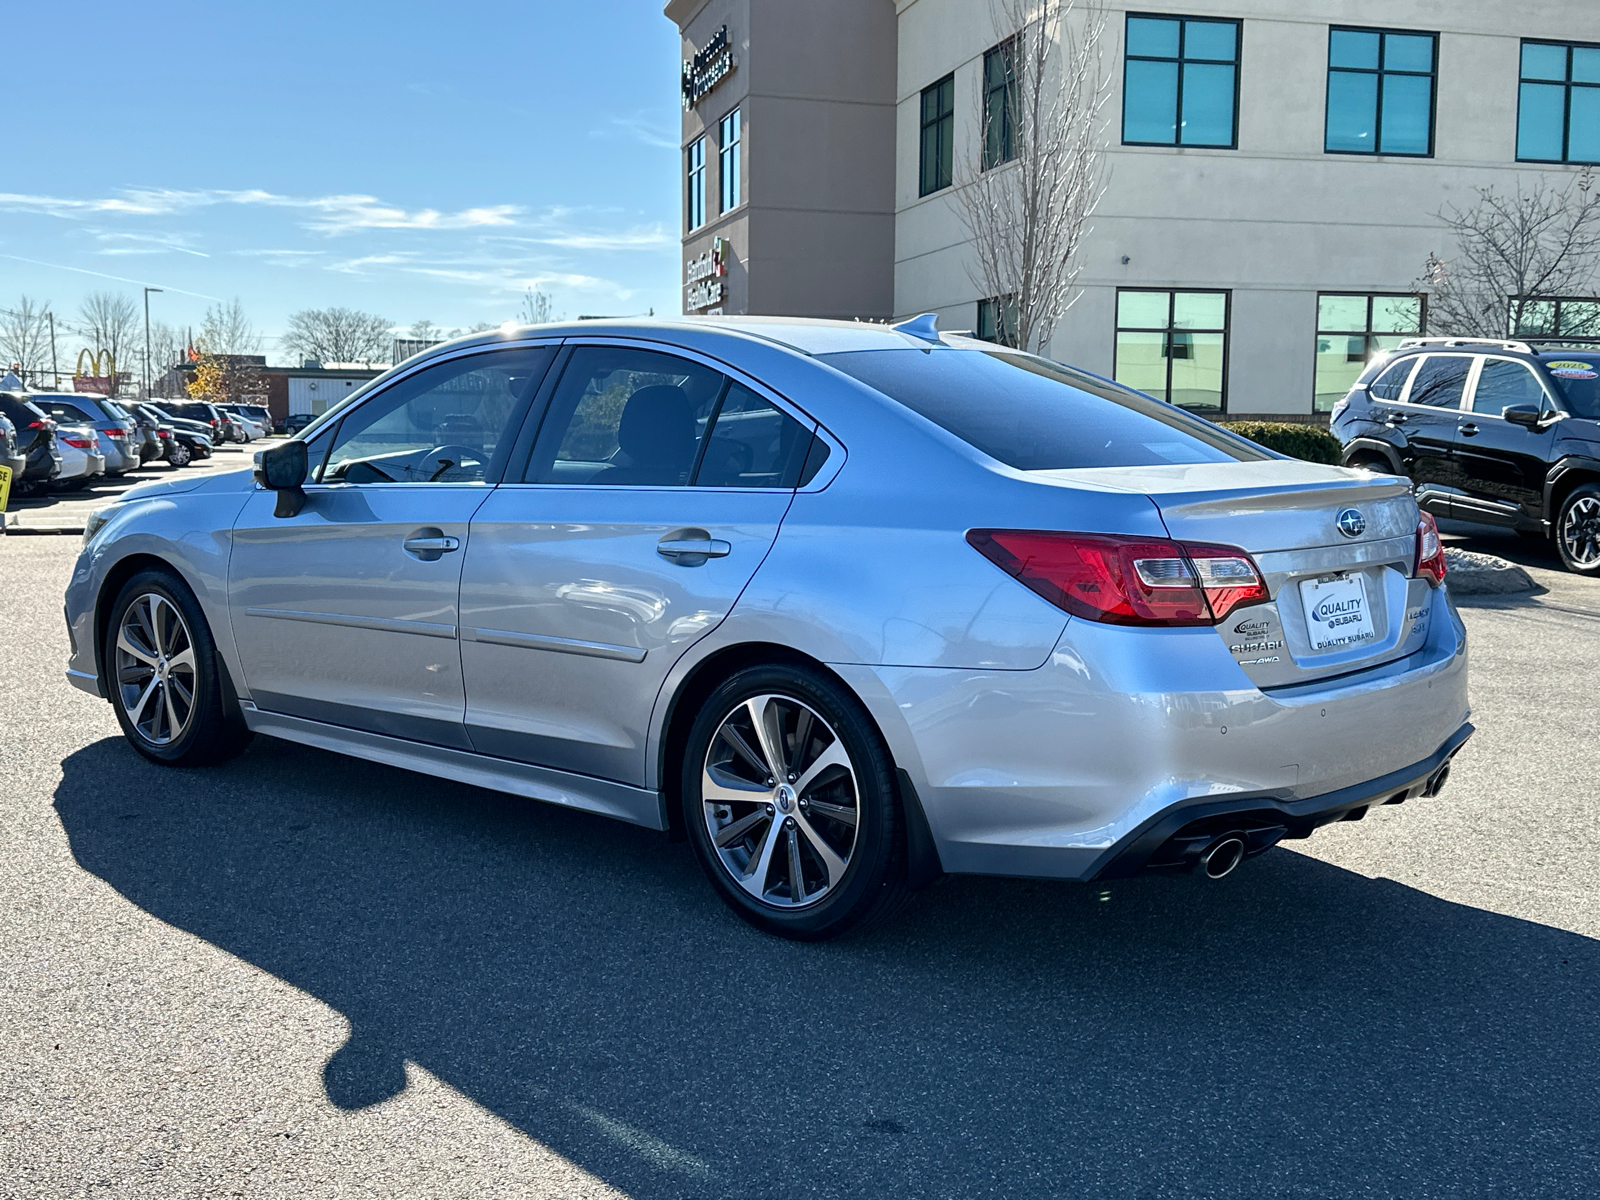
(561,645)
(383,624)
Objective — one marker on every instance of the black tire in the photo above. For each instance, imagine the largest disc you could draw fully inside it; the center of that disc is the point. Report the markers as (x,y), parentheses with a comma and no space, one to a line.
(211,729)
(1577,531)
(1370,462)
(871,885)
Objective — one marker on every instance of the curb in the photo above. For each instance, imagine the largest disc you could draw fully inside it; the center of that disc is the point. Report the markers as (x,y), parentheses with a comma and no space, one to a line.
(1472,574)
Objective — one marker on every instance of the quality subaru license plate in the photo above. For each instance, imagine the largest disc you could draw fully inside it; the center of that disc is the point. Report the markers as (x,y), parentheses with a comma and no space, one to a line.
(1336,612)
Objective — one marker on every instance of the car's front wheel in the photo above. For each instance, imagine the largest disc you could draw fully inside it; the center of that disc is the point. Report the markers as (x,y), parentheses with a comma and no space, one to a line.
(165,676)
(789,802)
(1578,530)
(178,454)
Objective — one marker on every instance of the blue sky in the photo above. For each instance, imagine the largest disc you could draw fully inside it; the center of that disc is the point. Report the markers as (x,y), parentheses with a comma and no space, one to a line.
(417,161)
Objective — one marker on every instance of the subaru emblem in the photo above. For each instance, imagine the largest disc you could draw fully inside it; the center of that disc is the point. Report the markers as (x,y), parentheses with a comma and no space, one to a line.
(1352,523)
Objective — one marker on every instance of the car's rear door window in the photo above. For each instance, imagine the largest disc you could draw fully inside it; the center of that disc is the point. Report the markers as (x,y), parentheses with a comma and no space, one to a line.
(1440,380)
(1036,415)
(753,444)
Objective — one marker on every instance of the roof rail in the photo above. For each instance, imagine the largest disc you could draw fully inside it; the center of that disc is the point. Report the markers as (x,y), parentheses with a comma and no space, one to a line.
(1499,343)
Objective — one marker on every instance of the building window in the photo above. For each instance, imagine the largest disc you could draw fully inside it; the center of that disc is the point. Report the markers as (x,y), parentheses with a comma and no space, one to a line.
(1180,84)
(938,134)
(1351,330)
(728,161)
(697,183)
(1174,345)
(1558,103)
(1000,100)
(1570,319)
(1380,92)
(997,320)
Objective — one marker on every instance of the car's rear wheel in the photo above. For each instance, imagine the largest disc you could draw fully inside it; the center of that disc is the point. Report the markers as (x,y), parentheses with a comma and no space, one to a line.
(1578,530)
(789,802)
(178,455)
(165,677)
(1370,462)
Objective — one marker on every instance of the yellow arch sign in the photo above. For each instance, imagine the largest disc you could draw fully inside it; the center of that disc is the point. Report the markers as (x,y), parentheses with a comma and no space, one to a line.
(102,363)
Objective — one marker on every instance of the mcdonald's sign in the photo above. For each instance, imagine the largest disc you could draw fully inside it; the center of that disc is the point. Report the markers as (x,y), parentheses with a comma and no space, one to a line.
(96,372)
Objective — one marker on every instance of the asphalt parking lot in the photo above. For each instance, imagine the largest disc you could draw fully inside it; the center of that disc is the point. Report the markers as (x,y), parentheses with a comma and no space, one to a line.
(302,975)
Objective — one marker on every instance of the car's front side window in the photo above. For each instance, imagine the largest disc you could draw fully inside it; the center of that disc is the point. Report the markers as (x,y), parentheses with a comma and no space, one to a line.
(1503,383)
(443,424)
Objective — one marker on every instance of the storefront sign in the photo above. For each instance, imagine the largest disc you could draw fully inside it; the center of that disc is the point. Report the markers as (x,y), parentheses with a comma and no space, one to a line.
(704,275)
(707,68)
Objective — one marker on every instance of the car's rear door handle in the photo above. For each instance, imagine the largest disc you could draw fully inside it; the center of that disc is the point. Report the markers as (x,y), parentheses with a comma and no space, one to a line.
(1470,429)
(430,546)
(1395,418)
(691,547)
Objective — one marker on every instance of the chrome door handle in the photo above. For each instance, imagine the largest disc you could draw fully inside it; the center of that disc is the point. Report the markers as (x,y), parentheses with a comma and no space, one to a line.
(691,547)
(430,548)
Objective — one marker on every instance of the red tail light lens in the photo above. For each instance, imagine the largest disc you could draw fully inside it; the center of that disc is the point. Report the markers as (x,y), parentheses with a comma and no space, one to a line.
(1125,580)
(162,433)
(1430,551)
(78,443)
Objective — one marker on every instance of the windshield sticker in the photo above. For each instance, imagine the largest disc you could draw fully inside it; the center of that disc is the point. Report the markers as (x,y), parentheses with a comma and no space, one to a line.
(1572,370)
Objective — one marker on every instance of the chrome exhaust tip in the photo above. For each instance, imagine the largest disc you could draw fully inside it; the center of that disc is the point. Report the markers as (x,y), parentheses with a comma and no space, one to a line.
(1222,856)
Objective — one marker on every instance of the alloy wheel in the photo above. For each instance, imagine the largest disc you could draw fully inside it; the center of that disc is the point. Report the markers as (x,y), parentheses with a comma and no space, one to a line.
(1580,531)
(780,801)
(155,669)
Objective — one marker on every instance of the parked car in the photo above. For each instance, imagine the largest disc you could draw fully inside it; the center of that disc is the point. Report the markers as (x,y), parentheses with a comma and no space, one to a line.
(193,436)
(1503,433)
(147,432)
(118,434)
(846,605)
(11,455)
(82,460)
(250,427)
(218,427)
(295,422)
(36,438)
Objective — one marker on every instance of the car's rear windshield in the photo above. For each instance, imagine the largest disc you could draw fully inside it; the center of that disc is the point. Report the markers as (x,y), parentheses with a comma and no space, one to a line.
(192,412)
(1036,415)
(1577,377)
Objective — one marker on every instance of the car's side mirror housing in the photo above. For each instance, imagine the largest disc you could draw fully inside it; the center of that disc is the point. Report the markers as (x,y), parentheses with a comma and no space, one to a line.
(282,469)
(1525,415)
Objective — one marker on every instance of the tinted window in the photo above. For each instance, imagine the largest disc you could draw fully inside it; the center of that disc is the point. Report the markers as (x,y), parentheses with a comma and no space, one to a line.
(1577,379)
(1440,380)
(627,417)
(1392,381)
(1502,383)
(443,424)
(752,444)
(191,412)
(62,411)
(1035,415)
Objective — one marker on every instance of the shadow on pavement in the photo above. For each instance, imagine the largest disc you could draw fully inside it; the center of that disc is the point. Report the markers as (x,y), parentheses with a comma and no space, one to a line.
(1297,1030)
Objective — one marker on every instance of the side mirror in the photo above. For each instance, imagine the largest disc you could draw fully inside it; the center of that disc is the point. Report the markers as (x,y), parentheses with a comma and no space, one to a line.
(1525,415)
(282,469)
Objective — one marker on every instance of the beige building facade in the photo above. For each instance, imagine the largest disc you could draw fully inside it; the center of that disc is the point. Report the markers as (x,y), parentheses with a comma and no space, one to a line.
(1273,171)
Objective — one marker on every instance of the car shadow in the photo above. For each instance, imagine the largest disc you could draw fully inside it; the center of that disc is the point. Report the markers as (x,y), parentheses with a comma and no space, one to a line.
(1296,1030)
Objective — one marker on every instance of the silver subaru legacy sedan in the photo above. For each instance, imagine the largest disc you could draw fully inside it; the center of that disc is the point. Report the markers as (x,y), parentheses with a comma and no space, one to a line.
(847,606)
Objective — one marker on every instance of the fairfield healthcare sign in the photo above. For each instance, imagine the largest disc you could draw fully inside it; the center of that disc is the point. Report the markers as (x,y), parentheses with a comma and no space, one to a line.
(704,275)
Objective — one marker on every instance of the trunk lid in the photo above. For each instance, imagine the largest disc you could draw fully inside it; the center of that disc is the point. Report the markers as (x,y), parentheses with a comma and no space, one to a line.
(1336,548)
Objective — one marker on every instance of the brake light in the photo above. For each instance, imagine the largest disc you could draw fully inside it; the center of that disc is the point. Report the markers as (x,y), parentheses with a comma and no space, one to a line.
(78,443)
(115,432)
(1430,551)
(45,424)
(162,433)
(1125,580)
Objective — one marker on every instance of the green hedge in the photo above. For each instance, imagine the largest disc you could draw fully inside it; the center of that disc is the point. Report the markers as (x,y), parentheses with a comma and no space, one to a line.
(1309,442)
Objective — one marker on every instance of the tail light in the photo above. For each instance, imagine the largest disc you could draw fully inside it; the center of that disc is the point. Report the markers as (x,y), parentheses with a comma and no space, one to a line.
(162,433)
(44,424)
(1125,580)
(1430,551)
(116,433)
(79,443)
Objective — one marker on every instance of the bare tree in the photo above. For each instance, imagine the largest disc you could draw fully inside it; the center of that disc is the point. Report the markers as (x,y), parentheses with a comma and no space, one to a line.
(1040,173)
(227,330)
(1514,251)
(538,308)
(342,335)
(25,338)
(166,351)
(110,321)
(425,331)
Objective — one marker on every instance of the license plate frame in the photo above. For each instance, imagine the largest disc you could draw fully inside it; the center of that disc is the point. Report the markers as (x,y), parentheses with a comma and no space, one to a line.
(1338,612)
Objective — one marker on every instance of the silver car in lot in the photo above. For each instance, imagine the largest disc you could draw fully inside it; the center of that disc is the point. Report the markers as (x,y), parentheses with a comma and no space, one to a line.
(845,606)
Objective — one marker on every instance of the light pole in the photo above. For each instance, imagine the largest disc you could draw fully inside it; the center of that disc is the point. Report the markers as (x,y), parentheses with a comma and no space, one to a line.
(147,292)
(54,369)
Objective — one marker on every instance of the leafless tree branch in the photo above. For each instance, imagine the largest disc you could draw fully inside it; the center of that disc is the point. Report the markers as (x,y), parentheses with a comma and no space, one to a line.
(25,339)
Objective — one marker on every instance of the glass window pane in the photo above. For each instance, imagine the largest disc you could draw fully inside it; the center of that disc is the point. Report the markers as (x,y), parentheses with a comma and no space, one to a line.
(1348,48)
(1503,383)
(624,416)
(1150,102)
(1341,313)
(1406,53)
(1407,101)
(1199,310)
(1150,36)
(1535,317)
(753,444)
(1585,65)
(1539,118)
(1440,380)
(1382,344)
(1207,105)
(1340,361)
(1209,39)
(1197,372)
(1397,314)
(1583,129)
(1142,362)
(1352,111)
(1143,310)
(1543,62)
(1580,318)
(1390,384)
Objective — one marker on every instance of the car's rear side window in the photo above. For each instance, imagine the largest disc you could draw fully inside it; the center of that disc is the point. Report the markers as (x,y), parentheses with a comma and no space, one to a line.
(1392,383)
(1035,415)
